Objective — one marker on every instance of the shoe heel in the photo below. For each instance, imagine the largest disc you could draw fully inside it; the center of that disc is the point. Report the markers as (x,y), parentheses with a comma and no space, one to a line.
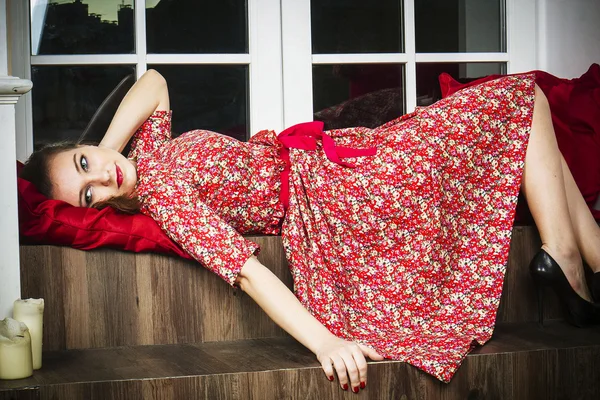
(540,288)
(540,294)
(546,272)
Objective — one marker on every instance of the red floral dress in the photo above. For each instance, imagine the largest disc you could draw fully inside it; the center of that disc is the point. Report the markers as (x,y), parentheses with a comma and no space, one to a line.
(405,253)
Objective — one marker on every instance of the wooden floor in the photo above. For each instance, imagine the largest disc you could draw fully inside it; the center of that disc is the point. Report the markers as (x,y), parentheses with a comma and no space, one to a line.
(522,361)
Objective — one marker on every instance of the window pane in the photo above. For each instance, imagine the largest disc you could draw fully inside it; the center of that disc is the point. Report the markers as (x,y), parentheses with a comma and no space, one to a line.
(357,26)
(428,86)
(75,27)
(346,95)
(451,26)
(212,97)
(192,26)
(65,99)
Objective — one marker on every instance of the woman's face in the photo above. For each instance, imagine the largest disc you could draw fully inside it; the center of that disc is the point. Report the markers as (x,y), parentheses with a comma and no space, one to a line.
(87,175)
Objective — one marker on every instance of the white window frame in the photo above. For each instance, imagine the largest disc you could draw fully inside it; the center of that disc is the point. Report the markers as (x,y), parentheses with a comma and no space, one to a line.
(520,55)
(263,60)
(280,59)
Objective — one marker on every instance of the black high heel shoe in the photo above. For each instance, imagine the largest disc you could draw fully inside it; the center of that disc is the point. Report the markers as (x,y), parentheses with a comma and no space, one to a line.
(546,272)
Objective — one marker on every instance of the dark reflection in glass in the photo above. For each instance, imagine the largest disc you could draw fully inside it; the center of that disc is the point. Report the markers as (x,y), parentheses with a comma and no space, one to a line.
(428,86)
(211,97)
(451,26)
(357,26)
(348,95)
(75,27)
(192,26)
(66,98)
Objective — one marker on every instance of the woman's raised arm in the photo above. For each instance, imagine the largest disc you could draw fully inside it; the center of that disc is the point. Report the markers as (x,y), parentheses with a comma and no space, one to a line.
(148,94)
(347,358)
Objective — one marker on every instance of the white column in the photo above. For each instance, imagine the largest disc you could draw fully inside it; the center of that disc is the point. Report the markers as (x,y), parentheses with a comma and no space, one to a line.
(296,37)
(266,71)
(11,89)
(522,35)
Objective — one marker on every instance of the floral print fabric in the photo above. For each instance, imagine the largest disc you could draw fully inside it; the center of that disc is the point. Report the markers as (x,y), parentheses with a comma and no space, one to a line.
(205,190)
(405,253)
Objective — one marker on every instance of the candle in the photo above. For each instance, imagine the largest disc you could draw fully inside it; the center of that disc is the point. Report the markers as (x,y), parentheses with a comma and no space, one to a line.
(15,350)
(31,312)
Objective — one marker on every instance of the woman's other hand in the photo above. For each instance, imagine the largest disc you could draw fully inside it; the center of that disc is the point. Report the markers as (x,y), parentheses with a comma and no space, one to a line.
(348,360)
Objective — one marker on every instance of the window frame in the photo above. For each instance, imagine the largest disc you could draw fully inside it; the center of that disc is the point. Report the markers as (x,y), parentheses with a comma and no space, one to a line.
(520,55)
(263,60)
(279,59)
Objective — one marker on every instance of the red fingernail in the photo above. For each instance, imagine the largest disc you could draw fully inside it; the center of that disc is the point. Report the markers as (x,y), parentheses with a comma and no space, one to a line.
(345,386)
(362,385)
(330,378)
(355,389)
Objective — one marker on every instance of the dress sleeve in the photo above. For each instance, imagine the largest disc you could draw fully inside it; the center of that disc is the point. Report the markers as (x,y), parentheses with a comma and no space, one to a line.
(155,131)
(198,230)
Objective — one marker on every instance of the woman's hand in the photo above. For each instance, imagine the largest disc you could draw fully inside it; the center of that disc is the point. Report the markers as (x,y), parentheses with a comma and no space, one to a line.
(348,360)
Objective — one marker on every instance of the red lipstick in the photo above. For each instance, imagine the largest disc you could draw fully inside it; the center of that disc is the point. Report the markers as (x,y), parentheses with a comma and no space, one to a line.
(119,176)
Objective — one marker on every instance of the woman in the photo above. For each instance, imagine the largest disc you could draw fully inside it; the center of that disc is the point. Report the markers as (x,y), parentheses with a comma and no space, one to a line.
(397,237)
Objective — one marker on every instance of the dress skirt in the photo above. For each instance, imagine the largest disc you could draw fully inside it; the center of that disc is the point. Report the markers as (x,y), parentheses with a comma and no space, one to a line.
(406,252)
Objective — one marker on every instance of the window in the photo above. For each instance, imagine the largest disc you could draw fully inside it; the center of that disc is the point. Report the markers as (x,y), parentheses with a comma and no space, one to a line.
(238,66)
(82,49)
(353,62)
(218,57)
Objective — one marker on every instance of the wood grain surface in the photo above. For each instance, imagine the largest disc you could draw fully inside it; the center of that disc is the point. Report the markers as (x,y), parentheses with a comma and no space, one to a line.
(106,298)
(522,361)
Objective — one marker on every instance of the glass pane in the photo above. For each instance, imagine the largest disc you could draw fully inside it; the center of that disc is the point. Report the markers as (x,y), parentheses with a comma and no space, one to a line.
(428,86)
(65,99)
(451,26)
(347,95)
(357,26)
(192,26)
(212,97)
(77,27)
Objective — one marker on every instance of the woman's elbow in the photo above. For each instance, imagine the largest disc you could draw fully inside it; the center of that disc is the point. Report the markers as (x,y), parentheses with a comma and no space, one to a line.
(250,268)
(155,76)
(157,84)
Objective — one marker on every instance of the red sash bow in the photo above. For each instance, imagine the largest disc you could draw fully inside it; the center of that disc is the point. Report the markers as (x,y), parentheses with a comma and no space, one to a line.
(304,137)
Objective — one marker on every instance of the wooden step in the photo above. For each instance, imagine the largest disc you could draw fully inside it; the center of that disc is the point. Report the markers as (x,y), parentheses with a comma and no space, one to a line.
(522,361)
(107,298)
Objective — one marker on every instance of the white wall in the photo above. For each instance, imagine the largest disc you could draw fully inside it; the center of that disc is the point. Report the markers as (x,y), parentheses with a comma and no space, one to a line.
(568,36)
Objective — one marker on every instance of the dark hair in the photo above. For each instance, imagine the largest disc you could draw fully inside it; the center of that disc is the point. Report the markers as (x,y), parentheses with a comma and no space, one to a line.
(124,204)
(37,168)
(37,171)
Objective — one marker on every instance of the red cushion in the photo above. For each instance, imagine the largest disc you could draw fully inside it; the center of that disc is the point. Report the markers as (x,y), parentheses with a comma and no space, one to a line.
(575,107)
(54,222)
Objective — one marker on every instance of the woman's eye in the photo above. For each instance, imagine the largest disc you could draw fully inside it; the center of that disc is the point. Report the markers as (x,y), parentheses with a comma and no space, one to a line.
(83,162)
(88,196)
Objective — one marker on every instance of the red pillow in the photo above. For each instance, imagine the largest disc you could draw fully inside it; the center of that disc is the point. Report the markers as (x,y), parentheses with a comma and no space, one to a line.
(54,222)
(575,107)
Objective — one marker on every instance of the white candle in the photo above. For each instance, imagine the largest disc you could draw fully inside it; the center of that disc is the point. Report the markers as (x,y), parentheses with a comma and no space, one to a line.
(15,350)
(31,312)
